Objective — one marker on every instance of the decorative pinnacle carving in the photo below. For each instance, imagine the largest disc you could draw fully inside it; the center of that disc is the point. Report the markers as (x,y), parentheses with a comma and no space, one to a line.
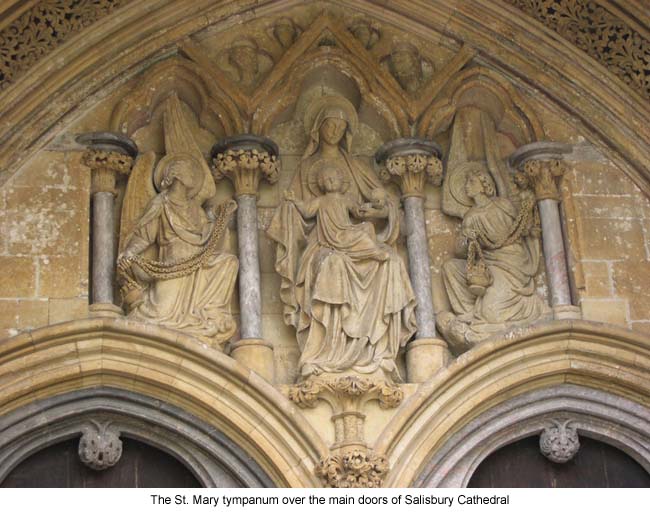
(104,166)
(559,442)
(542,175)
(100,446)
(354,469)
(352,463)
(410,163)
(245,159)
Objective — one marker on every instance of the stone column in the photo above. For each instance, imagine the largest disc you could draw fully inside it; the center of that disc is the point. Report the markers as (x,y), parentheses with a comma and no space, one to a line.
(542,163)
(411,163)
(244,160)
(108,154)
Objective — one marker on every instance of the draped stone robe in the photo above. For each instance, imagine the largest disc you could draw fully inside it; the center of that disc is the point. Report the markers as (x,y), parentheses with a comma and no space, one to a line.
(347,293)
(511,298)
(198,303)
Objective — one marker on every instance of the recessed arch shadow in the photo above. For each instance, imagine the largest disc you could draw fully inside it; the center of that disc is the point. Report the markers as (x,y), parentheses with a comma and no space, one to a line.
(214,459)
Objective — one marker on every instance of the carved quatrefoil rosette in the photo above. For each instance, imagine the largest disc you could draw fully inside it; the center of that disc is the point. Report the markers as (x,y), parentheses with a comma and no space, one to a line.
(100,446)
(559,442)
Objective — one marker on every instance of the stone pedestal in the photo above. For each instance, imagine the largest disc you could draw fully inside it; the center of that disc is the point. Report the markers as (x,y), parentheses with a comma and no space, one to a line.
(425,357)
(411,163)
(245,160)
(542,164)
(256,354)
(108,155)
(567,312)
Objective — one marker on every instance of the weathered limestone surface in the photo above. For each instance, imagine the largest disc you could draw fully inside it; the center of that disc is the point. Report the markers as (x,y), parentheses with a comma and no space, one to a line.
(607,222)
(45,193)
(44,243)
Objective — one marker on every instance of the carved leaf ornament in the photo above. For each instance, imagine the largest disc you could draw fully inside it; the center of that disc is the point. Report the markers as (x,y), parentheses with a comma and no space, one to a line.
(599,33)
(42,28)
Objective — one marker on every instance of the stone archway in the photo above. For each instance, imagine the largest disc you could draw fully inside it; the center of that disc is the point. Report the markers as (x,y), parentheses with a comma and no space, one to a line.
(596,414)
(50,367)
(210,456)
(607,366)
(140,466)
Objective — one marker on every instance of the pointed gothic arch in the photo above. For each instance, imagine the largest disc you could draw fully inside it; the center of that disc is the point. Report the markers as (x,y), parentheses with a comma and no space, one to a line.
(167,366)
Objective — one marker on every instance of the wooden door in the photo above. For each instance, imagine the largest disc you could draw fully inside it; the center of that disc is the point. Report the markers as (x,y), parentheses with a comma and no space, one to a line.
(596,464)
(141,465)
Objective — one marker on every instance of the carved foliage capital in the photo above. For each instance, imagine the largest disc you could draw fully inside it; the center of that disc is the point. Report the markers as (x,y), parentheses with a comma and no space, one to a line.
(245,168)
(559,442)
(355,469)
(345,391)
(104,166)
(412,171)
(542,175)
(100,446)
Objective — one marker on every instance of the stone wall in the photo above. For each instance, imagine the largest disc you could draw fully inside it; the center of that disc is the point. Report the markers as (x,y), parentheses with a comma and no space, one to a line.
(607,221)
(44,243)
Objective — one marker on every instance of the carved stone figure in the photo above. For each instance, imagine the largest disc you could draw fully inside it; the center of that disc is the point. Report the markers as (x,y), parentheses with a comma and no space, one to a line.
(244,61)
(492,286)
(285,31)
(366,32)
(190,285)
(171,269)
(407,66)
(344,288)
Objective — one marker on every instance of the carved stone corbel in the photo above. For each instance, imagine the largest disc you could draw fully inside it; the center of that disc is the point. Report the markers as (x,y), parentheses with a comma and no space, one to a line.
(245,160)
(411,163)
(559,442)
(100,446)
(108,155)
(350,463)
(542,164)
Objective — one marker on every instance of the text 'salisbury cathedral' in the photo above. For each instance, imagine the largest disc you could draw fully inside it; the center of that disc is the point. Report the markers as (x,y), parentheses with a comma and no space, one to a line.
(325,244)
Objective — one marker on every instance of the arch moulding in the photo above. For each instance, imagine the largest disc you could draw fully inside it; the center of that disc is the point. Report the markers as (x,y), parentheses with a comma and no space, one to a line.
(594,413)
(93,61)
(499,392)
(215,460)
(166,366)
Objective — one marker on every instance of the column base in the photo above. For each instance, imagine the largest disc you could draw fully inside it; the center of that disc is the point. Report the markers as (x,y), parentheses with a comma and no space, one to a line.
(105,309)
(256,354)
(567,312)
(425,357)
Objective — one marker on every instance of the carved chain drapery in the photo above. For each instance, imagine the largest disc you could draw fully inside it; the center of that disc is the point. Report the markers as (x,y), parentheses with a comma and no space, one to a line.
(44,27)
(601,34)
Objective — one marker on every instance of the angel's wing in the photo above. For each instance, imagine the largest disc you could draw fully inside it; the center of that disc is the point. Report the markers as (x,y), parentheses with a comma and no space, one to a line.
(496,164)
(466,146)
(179,139)
(139,192)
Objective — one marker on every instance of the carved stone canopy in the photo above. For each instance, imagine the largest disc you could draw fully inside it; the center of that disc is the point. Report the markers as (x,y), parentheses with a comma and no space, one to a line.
(411,162)
(542,150)
(246,142)
(408,146)
(542,163)
(244,159)
(107,141)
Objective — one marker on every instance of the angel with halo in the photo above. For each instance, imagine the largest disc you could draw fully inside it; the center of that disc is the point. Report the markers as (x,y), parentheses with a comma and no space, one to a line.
(171,269)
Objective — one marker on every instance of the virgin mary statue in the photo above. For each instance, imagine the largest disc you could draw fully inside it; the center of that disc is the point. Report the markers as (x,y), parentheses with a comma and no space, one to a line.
(344,287)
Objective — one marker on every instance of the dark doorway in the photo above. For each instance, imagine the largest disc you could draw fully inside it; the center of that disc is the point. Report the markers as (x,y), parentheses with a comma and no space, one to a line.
(596,464)
(141,465)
